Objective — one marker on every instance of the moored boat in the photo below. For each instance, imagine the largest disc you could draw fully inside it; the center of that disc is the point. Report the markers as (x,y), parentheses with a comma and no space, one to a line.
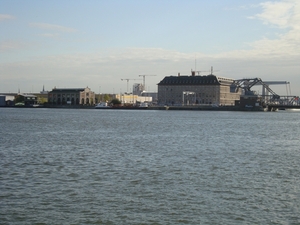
(102,105)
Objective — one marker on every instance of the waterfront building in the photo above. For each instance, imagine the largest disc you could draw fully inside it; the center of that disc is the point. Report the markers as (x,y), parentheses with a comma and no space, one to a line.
(189,90)
(2,100)
(7,100)
(26,99)
(71,96)
(133,99)
(151,94)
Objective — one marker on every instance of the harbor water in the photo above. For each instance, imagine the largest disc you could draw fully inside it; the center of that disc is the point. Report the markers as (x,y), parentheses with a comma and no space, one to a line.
(85,166)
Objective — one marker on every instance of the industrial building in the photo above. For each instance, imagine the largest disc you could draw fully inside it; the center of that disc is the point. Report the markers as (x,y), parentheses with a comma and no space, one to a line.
(189,90)
(7,100)
(151,94)
(71,96)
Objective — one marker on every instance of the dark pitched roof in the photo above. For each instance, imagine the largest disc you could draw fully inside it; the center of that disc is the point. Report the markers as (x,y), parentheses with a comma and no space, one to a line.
(60,90)
(190,80)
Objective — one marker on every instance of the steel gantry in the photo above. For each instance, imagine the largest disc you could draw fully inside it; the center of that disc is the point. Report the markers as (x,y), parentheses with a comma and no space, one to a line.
(247,83)
(268,95)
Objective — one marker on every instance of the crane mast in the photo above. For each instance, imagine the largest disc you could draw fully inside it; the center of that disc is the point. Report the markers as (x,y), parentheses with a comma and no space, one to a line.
(127,79)
(144,82)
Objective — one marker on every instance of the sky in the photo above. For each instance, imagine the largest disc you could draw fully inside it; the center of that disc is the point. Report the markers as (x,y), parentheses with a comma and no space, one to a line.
(101,43)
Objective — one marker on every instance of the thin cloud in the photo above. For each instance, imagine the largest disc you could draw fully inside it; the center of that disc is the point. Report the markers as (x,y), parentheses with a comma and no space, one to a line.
(277,13)
(6,17)
(241,7)
(285,15)
(50,35)
(10,45)
(47,26)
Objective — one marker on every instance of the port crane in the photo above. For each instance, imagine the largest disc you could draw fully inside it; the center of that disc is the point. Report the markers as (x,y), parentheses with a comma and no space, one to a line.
(212,70)
(144,82)
(128,81)
(268,83)
(271,99)
(247,83)
(201,71)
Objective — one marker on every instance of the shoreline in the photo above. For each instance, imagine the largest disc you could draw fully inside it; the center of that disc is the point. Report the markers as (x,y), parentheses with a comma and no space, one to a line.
(193,107)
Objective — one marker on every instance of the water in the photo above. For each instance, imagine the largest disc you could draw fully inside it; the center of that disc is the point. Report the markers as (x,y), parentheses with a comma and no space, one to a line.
(65,166)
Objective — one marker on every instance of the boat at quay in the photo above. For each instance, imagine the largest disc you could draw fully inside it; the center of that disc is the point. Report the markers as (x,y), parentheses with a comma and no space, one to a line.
(102,105)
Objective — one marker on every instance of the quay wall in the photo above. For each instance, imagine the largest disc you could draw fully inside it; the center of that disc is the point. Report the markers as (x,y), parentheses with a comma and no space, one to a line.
(207,108)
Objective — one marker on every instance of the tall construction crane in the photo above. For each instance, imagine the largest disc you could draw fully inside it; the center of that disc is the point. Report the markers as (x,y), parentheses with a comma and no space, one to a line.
(128,81)
(144,82)
(212,70)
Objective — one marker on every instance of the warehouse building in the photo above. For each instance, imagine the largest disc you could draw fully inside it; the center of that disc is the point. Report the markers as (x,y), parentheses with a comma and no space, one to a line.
(71,96)
(190,90)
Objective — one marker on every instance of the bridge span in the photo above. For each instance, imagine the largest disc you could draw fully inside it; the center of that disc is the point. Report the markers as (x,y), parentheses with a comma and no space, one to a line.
(283,102)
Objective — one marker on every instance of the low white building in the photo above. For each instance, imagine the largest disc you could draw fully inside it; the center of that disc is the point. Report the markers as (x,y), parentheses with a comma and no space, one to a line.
(133,99)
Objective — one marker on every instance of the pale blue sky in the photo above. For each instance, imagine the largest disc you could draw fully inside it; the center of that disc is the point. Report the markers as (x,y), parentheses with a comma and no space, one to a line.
(76,43)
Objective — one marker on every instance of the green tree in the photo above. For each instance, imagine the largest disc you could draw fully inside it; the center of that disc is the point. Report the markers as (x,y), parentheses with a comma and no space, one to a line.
(106,97)
(115,102)
(19,98)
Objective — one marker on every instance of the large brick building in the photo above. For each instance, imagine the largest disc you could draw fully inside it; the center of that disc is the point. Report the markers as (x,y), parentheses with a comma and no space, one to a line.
(71,96)
(183,90)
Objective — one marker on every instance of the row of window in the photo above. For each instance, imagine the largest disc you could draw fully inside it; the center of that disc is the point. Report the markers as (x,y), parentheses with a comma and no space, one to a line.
(64,100)
(196,95)
(68,99)
(191,82)
(170,102)
(64,95)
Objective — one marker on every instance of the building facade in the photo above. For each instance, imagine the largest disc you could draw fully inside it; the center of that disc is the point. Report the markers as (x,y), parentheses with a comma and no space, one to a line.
(137,89)
(71,96)
(185,90)
(133,99)
(7,100)
(153,95)
(25,99)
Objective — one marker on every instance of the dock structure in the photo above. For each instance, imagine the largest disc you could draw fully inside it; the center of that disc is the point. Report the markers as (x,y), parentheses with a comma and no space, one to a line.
(284,102)
(269,99)
(219,93)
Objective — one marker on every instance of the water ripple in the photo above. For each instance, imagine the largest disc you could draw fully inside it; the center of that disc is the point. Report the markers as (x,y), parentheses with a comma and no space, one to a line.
(148,167)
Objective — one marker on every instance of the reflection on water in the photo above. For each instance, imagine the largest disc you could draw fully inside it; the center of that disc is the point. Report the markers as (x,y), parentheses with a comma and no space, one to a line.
(148,167)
